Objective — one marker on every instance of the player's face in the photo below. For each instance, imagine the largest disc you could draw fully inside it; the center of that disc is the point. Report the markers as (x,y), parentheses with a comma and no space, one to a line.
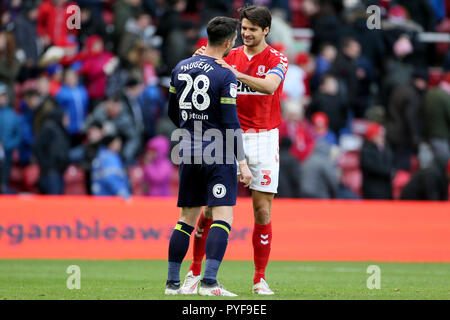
(252,34)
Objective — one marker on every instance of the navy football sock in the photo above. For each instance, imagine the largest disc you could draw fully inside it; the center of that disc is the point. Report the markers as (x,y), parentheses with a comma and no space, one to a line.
(216,245)
(178,246)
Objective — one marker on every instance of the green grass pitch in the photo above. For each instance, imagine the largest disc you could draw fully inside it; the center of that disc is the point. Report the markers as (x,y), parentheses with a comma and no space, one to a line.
(145,279)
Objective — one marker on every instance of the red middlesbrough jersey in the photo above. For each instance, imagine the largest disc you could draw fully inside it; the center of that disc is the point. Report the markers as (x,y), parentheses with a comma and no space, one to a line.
(258,110)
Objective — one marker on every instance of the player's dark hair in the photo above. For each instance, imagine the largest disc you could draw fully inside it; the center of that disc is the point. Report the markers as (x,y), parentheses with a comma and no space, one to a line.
(221,29)
(258,15)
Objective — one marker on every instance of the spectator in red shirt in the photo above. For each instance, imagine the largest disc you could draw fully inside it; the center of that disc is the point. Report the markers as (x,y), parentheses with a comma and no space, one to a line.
(97,64)
(52,21)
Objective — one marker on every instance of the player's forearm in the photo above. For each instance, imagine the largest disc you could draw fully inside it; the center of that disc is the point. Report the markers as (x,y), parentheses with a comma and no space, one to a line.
(265,85)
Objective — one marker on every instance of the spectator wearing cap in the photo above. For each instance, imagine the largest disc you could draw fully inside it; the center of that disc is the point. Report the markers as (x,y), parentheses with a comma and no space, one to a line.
(51,148)
(320,129)
(10,134)
(376,163)
(158,169)
(73,99)
(403,118)
(436,118)
(109,177)
(430,183)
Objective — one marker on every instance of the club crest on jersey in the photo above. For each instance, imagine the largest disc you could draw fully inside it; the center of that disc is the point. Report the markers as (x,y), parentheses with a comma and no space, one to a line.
(261,71)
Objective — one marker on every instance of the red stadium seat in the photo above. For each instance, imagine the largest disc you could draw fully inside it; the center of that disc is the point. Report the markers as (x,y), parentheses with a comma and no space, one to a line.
(31,178)
(352,179)
(349,160)
(16,177)
(136,175)
(435,75)
(175,180)
(74,181)
(400,180)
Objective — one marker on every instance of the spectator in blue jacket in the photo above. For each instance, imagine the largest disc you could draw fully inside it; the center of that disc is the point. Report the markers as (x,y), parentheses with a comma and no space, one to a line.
(109,177)
(10,135)
(73,99)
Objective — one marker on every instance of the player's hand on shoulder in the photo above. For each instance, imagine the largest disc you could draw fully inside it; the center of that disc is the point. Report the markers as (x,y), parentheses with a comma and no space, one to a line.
(226,66)
(199,51)
(246,175)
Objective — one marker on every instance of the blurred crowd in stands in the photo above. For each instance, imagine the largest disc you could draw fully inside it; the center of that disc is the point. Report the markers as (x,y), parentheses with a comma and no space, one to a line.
(366,112)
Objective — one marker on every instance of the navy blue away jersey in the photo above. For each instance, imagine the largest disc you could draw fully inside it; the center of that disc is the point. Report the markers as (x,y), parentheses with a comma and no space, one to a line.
(203,97)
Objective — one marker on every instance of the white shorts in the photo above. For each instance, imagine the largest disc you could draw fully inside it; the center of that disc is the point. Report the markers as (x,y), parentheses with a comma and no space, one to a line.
(262,154)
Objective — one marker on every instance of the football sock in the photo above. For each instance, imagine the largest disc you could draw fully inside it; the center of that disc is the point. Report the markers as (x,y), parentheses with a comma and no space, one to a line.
(262,240)
(203,226)
(178,246)
(216,245)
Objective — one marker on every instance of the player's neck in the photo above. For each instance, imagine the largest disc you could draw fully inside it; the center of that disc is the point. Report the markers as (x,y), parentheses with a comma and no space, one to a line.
(213,52)
(253,51)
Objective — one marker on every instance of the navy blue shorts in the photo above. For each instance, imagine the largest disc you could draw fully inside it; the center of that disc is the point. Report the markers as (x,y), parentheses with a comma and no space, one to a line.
(207,185)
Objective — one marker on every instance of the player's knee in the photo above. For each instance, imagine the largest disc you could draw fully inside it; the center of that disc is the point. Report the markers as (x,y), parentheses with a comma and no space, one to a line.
(189,215)
(262,215)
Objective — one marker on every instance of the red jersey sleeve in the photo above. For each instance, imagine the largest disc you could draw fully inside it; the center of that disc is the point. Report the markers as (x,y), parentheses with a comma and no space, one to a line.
(278,64)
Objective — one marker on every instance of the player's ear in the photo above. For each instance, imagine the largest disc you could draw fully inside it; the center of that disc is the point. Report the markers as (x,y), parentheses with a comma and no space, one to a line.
(227,43)
(266,31)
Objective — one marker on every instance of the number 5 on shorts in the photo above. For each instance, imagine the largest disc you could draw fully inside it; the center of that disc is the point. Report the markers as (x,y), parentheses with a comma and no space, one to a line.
(266,176)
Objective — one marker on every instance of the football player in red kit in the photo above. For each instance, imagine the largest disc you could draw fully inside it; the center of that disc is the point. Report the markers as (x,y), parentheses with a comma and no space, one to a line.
(260,71)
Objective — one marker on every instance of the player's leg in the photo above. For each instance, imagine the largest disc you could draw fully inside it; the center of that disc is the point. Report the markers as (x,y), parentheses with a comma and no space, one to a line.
(264,165)
(201,233)
(192,279)
(216,245)
(179,245)
(222,193)
(261,239)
